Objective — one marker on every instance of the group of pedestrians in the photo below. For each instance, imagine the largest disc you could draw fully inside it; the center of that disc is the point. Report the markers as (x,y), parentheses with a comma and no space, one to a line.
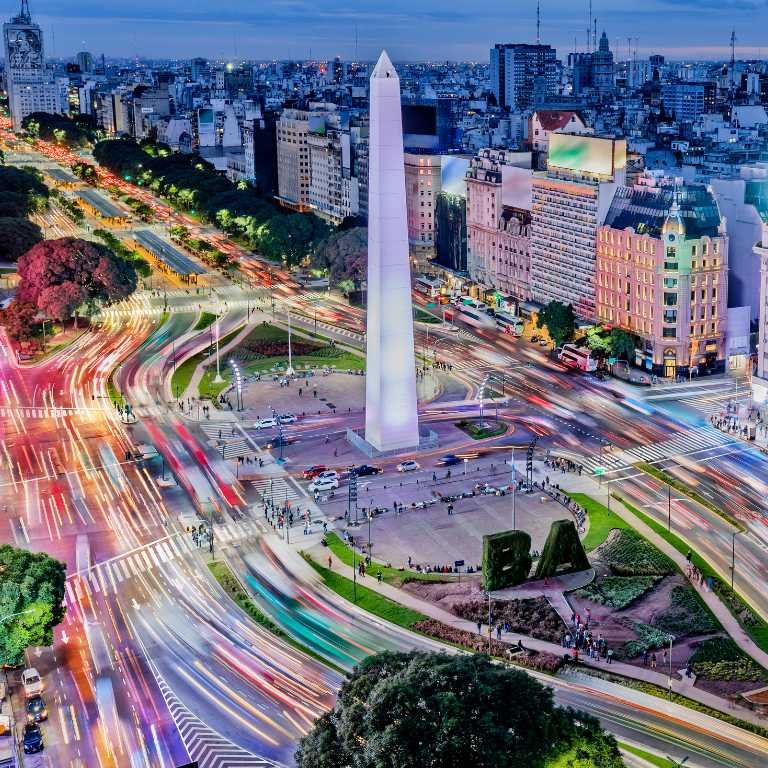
(562,464)
(579,638)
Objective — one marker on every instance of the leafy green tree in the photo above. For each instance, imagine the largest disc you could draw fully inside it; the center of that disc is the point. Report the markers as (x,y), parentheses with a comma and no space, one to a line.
(622,344)
(17,236)
(598,342)
(410,710)
(559,320)
(32,585)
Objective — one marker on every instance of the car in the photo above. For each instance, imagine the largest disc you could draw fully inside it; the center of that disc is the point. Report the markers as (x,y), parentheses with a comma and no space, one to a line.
(277,441)
(535,339)
(30,679)
(329,474)
(266,422)
(323,484)
(407,466)
(287,418)
(543,343)
(33,739)
(36,710)
(312,472)
(364,470)
(449,460)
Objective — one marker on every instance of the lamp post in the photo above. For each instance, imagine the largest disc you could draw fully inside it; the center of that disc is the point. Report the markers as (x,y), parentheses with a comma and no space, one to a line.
(289,371)
(218,379)
(734,534)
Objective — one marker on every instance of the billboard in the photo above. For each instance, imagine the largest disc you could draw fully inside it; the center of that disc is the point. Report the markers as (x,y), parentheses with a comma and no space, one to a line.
(588,154)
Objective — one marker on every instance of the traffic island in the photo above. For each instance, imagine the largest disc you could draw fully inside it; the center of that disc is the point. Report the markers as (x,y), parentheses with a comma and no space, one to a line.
(482,429)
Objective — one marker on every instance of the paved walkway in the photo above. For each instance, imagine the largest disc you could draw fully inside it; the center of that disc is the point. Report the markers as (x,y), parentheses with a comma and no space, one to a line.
(683,686)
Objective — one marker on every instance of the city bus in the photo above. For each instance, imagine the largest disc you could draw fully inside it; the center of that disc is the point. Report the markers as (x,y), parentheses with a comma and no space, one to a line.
(427,287)
(509,323)
(577,357)
(474,317)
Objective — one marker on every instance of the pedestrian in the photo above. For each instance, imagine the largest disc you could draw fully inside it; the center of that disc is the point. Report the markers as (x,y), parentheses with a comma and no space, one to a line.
(330,563)
(498,631)
(378,577)
(653,661)
(479,628)
(645,658)
(609,655)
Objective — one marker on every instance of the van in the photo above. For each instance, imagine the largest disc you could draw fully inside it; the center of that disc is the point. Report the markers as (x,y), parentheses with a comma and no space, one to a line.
(33,684)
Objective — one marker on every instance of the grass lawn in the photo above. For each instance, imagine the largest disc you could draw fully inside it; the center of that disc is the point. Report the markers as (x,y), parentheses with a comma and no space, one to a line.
(391,575)
(184,372)
(205,319)
(601,520)
(757,631)
(424,317)
(367,599)
(229,583)
(679,485)
(649,757)
(489,428)
(208,387)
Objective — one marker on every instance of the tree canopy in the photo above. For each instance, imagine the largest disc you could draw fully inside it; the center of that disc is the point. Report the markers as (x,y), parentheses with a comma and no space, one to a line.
(344,254)
(17,236)
(191,183)
(427,710)
(32,582)
(559,320)
(57,276)
(78,130)
(21,192)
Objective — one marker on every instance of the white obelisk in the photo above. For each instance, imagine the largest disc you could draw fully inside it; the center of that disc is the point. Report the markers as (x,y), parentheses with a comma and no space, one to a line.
(391,416)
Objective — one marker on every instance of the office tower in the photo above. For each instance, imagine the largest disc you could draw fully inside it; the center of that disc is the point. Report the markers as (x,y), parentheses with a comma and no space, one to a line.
(333,189)
(85,62)
(29,87)
(570,201)
(662,274)
(760,379)
(686,101)
(198,67)
(602,68)
(391,416)
(522,75)
(422,186)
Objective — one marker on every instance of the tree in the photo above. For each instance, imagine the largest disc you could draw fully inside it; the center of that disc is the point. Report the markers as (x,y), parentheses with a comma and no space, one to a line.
(344,254)
(34,583)
(622,344)
(598,342)
(20,320)
(409,710)
(86,172)
(23,190)
(506,559)
(559,320)
(17,236)
(57,276)
(563,551)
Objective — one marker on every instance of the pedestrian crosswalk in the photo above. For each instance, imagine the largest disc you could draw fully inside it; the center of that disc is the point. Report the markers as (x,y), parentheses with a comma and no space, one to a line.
(220,430)
(711,404)
(229,441)
(47,412)
(277,489)
(685,443)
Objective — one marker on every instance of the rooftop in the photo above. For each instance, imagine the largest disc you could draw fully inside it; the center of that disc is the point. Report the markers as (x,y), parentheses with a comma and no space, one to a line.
(105,209)
(165,252)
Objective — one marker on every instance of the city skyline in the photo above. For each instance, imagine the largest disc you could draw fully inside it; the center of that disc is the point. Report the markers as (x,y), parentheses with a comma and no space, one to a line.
(297,29)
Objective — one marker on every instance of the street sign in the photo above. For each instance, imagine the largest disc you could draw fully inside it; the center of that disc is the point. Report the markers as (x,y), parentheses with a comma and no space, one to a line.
(599,471)
(431,305)
(458,563)
(612,360)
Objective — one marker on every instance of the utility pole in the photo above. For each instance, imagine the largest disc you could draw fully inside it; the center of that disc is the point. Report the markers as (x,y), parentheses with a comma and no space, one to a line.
(669,506)
(218,379)
(538,23)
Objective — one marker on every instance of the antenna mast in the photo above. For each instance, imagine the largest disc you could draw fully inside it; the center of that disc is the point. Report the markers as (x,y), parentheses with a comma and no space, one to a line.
(538,23)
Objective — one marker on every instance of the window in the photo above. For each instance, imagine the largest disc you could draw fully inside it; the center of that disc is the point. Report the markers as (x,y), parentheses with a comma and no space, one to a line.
(669,333)
(670,299)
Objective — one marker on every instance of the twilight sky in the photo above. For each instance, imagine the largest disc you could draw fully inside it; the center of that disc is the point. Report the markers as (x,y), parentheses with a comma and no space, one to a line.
(409,29)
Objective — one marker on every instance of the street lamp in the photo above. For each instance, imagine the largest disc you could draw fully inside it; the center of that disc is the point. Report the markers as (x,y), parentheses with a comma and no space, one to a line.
(465,465)
(734,534)
(514,491)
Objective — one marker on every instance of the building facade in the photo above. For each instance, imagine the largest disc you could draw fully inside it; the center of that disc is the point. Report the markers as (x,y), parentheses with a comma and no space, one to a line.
(293,163)
(333,190)
(498,235)
(422,186)
(686,101)
(29,87)
(662,274)
(522,75)
(760,377)
(570,201)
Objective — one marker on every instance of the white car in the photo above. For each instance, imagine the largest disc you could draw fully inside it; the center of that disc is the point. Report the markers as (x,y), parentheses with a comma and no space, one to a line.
(287,418)
(266,422)
(329,474)
(407,466)
(30,679)
(323,485)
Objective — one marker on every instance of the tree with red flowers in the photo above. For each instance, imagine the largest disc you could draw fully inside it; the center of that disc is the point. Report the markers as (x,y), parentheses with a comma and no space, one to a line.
(20,320)
(58,276)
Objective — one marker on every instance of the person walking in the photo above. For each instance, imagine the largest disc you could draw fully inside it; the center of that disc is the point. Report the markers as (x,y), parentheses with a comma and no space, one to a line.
(653,661)
(479,628)
(609,655)
(330,563)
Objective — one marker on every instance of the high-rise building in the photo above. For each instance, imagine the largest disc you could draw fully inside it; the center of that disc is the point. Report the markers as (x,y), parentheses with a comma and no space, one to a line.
(662,274)
(422,186)
(686,101)
(498,223)
(30,88)
(760,379)
(198,67)
(85,62)
(522,75)
(333,190)
(602,68)
(570,202)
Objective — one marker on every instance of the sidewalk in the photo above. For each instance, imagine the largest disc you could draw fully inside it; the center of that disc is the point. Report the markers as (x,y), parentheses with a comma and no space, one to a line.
(682,686)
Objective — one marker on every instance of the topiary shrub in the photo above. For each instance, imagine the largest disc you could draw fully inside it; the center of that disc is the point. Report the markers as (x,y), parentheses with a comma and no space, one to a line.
(506,559)
(563,551)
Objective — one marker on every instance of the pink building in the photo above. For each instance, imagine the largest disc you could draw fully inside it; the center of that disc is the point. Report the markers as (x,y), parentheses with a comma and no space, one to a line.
(422,186)
(662,275)
(498,224)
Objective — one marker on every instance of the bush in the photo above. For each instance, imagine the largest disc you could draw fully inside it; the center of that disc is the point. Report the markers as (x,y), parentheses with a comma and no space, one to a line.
(649,638)
(687,615)
(627,553)
(506,559)
(617,591)
(719,658)
(532,616)
(563,551)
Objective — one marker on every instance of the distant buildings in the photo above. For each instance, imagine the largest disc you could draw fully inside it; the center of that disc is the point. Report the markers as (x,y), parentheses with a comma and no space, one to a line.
(662,274)
(30,87)
(522,75)
(687,101)
(570,201)
(293,165)
(593,71)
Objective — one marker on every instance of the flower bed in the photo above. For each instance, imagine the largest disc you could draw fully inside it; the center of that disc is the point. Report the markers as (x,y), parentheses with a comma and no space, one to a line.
(627,553)
(617,591)
(531,616)
(686,615)
(539,660)
(719,658)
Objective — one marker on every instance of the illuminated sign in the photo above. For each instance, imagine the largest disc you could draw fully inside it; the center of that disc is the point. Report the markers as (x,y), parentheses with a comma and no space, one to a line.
(588,154)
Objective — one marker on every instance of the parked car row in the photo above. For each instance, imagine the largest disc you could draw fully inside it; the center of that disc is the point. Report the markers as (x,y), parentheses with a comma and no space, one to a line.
(35,709)
(269,422)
